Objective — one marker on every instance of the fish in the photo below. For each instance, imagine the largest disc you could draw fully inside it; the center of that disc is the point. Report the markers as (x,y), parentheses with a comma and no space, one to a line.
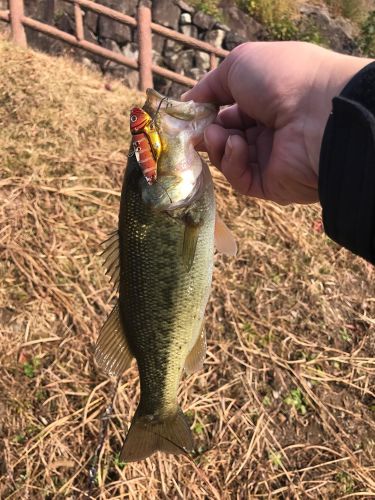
(160,259)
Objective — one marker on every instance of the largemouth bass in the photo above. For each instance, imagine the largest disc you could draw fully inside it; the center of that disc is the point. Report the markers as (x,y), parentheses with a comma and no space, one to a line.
(161,259)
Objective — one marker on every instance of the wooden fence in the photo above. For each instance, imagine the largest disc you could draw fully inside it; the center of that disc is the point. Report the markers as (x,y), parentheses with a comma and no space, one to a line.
(18,21)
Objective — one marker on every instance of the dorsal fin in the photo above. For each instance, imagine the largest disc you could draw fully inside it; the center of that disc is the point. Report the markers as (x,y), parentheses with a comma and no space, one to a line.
(224,239)
(112,351)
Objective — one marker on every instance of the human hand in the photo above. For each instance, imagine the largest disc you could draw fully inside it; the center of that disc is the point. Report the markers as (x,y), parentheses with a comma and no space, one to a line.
(267,142)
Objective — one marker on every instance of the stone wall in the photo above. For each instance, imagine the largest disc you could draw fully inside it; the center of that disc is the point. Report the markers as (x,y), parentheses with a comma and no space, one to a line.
(175,14)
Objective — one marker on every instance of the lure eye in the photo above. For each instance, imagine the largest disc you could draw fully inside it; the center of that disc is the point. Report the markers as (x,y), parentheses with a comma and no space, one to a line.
(133,118)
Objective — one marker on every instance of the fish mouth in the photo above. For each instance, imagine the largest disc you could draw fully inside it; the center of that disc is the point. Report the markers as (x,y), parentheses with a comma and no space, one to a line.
(186,111)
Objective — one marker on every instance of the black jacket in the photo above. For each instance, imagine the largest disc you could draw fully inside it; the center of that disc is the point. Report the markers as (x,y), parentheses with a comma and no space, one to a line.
(347,166)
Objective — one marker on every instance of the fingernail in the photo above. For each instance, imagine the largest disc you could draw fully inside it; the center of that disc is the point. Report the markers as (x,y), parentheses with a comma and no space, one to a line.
(228,147)
(183,96)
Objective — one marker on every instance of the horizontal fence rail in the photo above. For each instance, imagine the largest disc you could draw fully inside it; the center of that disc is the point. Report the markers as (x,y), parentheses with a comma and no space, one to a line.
(18,21)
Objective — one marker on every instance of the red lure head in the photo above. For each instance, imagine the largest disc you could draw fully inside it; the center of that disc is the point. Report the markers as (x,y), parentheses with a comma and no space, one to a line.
(139,119)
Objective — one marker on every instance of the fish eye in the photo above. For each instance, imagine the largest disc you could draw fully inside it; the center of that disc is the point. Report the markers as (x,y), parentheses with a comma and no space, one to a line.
(133,118)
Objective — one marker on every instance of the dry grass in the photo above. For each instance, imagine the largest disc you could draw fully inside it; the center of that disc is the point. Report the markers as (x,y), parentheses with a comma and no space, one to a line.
(285,405)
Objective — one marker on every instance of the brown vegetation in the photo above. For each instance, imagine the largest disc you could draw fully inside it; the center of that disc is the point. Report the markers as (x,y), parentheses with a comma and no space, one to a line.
(285,404)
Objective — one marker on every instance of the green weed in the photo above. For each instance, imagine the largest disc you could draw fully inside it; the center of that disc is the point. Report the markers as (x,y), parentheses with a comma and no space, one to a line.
(117,462)
(346,481)
(198,428)
(367,37)
(345,335)
(351,9)
(209,7)
(30,368)
(275,458)
(296,399)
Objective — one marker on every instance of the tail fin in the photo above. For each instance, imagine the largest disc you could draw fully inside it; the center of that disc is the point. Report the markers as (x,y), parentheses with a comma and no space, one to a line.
(147,435)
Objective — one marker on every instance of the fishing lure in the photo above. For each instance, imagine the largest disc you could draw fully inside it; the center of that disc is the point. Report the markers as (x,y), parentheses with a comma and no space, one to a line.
(146,143)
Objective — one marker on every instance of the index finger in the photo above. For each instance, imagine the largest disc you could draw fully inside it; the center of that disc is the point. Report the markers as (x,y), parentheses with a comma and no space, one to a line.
(213,87)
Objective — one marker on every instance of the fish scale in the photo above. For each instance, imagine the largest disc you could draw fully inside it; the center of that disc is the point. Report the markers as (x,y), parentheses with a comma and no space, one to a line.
(159,297)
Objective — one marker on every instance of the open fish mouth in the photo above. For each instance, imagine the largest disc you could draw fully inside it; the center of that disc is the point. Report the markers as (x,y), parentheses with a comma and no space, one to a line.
(187,111)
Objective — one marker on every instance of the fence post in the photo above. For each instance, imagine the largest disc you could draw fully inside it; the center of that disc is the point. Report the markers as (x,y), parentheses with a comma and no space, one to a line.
(79,22)
(213,61)
(145,47)
(16,15)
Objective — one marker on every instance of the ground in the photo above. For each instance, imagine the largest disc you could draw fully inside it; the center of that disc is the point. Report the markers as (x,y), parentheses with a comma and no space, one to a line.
(285,404)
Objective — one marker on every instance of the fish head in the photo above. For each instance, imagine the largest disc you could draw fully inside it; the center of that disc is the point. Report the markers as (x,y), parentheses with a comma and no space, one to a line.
(180,126)
(174,118)
(190,118)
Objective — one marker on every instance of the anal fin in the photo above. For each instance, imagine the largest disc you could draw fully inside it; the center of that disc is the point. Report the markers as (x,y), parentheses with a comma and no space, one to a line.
(195,358)
(112,351)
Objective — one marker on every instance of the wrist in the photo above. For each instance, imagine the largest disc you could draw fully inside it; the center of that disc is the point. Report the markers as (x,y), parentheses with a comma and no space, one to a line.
(333,73)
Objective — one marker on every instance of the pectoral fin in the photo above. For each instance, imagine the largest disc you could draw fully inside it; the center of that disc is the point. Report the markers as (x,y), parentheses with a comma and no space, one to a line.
(224,239)
(189,245)
(112,351)
(195,358)
(111,256)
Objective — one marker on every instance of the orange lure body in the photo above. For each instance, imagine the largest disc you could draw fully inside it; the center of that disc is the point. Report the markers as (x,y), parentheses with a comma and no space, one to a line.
(146,143)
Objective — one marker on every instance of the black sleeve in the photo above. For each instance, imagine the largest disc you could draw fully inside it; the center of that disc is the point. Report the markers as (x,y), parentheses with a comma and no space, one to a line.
(347,167)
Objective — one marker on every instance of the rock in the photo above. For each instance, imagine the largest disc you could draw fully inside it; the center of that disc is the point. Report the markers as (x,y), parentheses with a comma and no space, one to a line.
(108,28)
(203,21)
(336,32)
(43,11)
(128,7)
(202,60)
(195,73)
(130,50)
(89,35)
(175,90)
(189,30)
(66,23)
(185,18)
(184,6)
(110,45)
(232,40)
(158,42)
(61,6)
(221,26)
(215,37)
(171,47)
(91,21)
(181,62)
(157,58)
(242,24)
(166,13)
(128,76)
